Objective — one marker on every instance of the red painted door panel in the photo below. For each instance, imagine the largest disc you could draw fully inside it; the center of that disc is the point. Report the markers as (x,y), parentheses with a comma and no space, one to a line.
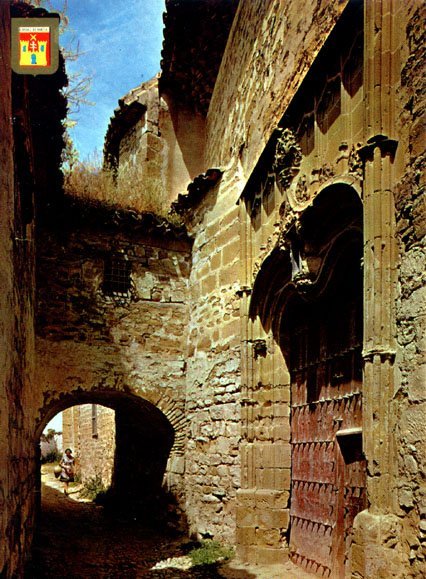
(328,470)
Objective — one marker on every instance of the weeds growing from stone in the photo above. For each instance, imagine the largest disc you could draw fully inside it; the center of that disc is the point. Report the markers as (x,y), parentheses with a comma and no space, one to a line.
(210,552)
(128,188)
(92,487)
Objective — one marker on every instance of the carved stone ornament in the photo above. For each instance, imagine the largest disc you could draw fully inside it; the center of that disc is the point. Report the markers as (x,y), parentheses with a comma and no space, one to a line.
(319,176)
(355,165)
(303,281)
(288,221)
(301,193)
(288,157)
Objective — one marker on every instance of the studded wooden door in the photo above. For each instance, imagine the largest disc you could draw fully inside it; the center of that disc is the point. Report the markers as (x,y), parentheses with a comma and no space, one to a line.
(328,470)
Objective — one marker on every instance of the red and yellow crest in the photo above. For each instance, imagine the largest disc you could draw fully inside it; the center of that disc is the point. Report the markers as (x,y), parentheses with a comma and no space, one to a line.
(34,46)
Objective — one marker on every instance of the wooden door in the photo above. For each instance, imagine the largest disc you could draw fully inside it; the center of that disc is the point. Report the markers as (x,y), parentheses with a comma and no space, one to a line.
(328,470)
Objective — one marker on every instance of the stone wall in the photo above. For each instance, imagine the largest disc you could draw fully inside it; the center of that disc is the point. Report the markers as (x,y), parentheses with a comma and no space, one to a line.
(248,103)
(154,146)
(94,426)
(248,99)
(21,181)
(250,96)
(213,375)
(122,347)
(15,462)
(409,404)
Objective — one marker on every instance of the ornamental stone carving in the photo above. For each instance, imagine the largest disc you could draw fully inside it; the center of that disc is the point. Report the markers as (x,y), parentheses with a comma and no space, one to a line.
(301,194)
(355,165)
(321,175)
(288,157)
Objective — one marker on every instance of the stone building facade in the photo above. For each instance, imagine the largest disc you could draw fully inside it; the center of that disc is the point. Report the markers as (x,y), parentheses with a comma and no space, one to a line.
(89,430)
(270,354)
(301,399)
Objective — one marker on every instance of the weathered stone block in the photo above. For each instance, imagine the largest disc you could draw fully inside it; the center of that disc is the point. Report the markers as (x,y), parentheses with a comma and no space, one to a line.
(245,516)
(273,518)
(271,556)
(282,478)
(246,536)
(268,537)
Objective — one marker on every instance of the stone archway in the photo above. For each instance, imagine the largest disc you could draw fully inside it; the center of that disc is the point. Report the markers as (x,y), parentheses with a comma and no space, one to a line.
(308,298)
(148,450)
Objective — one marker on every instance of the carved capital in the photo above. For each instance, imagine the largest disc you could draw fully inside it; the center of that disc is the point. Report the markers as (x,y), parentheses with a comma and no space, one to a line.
(355,165)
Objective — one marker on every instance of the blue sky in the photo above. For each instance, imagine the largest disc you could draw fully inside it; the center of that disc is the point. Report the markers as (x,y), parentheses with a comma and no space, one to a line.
(55,423)
(120,41)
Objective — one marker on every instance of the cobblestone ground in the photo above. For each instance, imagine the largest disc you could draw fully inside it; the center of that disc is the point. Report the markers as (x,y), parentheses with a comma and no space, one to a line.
(78,540)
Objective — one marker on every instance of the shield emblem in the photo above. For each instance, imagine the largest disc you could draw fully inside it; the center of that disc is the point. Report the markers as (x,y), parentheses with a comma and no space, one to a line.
(34,46)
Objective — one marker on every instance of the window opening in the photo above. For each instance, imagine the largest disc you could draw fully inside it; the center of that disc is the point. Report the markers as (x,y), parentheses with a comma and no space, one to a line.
(94,421)
(117,272)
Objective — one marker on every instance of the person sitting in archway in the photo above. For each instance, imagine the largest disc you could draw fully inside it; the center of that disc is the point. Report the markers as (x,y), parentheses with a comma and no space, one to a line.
(67,473)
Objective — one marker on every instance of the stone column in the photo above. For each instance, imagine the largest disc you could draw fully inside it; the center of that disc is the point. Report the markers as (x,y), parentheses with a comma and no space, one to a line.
(376,550)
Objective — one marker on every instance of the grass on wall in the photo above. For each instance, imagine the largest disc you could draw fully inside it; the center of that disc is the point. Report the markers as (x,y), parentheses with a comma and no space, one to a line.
(130,190)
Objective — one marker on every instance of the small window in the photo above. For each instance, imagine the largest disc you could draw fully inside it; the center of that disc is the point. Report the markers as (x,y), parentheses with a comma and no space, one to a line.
(117,272)
(94,421)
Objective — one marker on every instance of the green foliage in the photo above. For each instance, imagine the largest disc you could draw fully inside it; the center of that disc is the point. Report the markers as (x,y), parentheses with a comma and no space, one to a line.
(92,486)
(76,481)
(210,552)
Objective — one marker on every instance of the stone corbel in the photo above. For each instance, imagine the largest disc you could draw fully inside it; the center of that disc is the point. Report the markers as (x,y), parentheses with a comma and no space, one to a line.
(386,145)
(388,354)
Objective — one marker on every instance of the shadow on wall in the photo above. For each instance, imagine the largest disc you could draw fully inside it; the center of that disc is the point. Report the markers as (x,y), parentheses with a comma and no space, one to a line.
(185,134)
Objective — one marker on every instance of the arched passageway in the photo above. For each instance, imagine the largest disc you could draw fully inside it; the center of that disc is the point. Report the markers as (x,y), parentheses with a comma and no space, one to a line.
(144,438)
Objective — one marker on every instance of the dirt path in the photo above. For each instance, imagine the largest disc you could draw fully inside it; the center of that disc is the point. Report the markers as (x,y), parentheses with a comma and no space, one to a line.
(77,540)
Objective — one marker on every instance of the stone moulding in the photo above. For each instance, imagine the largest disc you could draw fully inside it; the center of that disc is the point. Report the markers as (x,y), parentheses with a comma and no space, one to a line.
(289,229)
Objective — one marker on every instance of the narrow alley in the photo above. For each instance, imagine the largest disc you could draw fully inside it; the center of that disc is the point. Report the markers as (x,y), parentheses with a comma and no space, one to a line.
(77,539)
(224,308)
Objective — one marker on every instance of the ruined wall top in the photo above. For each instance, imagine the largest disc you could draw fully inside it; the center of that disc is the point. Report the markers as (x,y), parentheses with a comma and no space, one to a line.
(195,36)
(131,108)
